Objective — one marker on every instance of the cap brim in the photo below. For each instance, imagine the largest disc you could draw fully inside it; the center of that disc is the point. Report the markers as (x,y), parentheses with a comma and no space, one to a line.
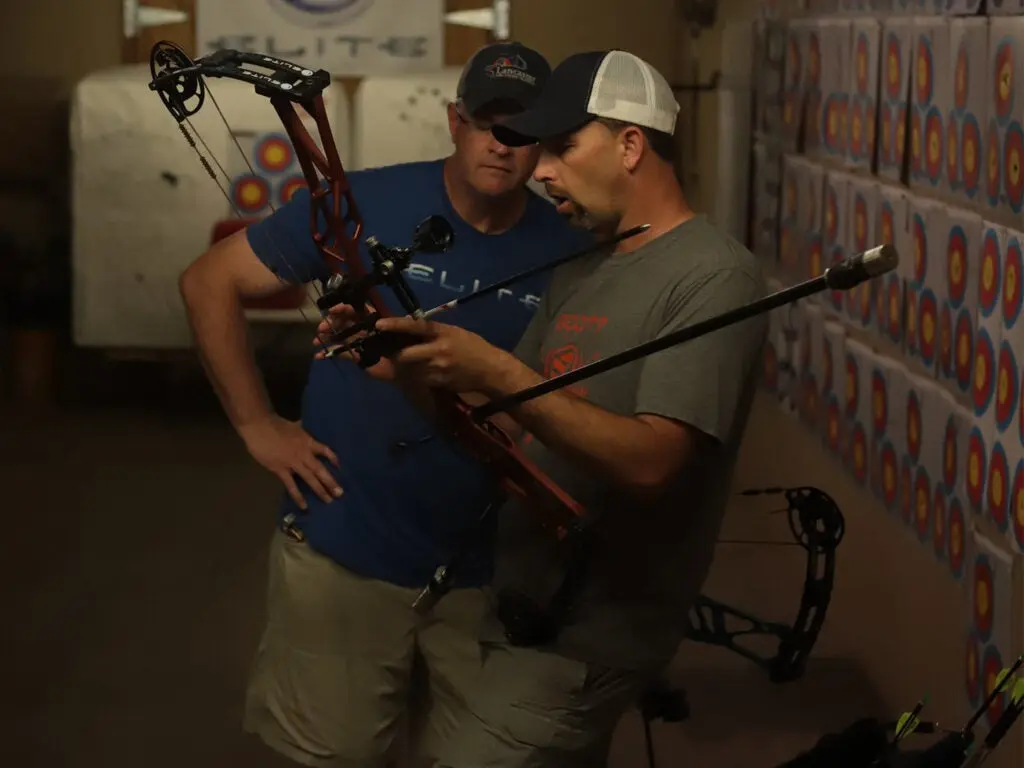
(535,125)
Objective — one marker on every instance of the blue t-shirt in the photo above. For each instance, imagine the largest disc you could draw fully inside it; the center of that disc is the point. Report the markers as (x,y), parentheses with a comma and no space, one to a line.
(409,497)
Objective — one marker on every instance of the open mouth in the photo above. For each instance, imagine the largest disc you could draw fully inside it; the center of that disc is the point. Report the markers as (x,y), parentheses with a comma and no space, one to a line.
(562,204)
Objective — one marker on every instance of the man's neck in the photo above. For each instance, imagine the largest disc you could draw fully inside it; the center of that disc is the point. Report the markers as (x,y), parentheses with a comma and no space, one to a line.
(662,206)
(490,215)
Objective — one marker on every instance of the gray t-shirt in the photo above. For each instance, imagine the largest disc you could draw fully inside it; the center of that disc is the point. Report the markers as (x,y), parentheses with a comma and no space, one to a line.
(648,560)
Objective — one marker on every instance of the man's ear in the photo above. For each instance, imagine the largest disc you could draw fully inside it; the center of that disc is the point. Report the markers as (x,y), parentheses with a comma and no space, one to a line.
(453,120)
(633,146)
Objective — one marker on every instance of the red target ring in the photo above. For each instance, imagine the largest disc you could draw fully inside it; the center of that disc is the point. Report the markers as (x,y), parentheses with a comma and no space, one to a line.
(923,81)
(992,666)
(885,149)
(981,597)
(933,146)
(956,265)
(893,60)
(890,483)
(920,249)
(960,77)
(250,193)
(956,532)
(976,470)
(927,325)
(274,154)
(1003,85)
(990,272)
(983,387)
(922,504)
(916,154)
(899,145)
(997,487)
(894,313)
(1007,386)
(859,449)
(1017,504)
(1013,159)
(1013,267)
(879,402)
(949,455)
(290,187)
(963,346)
(913,425)
(970,154)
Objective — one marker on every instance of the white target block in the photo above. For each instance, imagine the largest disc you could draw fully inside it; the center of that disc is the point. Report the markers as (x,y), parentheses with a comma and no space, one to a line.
(144,206)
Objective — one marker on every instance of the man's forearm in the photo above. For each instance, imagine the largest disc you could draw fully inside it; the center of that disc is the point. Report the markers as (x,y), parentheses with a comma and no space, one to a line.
(596,440)
(219,328)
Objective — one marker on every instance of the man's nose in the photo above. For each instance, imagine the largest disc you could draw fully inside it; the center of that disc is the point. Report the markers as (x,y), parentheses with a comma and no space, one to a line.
(498,148)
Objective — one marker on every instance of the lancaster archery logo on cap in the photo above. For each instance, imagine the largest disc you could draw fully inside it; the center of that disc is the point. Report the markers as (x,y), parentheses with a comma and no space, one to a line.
(510,67)
(995,488)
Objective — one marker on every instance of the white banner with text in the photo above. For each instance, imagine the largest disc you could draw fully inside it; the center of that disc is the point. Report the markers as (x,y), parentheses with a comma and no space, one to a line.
(345,37)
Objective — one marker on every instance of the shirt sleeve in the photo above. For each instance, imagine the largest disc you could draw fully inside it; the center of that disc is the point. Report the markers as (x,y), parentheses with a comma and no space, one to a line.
(283,241)
(703,382)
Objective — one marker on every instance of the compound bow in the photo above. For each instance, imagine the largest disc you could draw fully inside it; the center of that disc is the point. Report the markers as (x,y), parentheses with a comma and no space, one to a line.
(814,519)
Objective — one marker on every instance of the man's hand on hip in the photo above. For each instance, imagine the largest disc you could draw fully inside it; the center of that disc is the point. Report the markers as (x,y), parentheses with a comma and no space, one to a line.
(286,449)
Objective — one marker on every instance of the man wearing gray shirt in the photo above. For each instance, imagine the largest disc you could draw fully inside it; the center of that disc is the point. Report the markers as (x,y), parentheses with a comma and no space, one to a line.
(648,448)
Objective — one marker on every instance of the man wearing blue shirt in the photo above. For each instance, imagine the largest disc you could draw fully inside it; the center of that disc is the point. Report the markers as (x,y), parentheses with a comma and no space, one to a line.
(378,501)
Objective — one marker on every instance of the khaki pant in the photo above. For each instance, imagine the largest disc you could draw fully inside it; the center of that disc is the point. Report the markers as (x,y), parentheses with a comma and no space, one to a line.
(344,663)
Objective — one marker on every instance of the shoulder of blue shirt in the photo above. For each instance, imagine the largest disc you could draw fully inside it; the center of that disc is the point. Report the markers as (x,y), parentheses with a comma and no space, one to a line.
(282,240)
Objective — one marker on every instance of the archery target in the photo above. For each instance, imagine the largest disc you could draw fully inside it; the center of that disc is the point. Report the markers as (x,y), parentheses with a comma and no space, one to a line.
(860,453)
(862,63)
(815,258)
(1004,81)
(1007,386)
(885,150)
(990,273)
(960,74)
(994,165)
(901,134)
(952,152)
(964,348)
(933,144)
(894,69)
(856,129)
(860,222)
(992,666)
(920,249)
(927,325)
(250,193)
(1013,157)
(890,473)
(982,597)
(925,71)
(922,503)
(913,425)
(957,537)
(895,294)
(911,320)
(956,265)
(969,154)
(976,459)
(946,339)
(832,421)
(1011,293)
(915,140)
(984,373)
(939,524)
(973,671)
(949,455)
(289,187)
(832,120)
(869,127)
(274,153)
(907,490)
(997,486)
(879,402)
(1017,504)
(831,214)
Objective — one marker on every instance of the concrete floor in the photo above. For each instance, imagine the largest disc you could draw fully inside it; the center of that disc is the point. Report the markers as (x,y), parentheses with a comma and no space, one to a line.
(133,574)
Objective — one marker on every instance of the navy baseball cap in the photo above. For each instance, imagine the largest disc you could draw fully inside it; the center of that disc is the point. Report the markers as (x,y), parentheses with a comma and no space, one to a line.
(507,72)
(611,84)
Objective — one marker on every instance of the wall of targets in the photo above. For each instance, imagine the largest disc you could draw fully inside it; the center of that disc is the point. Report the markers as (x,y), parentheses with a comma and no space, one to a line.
(895,121)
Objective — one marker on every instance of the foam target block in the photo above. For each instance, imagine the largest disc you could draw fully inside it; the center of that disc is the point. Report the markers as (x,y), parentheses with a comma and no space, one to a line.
(894,93)
(769,41)
(833,386)
(812,364)
(914,503)
(1004,136)
(861,234)
(967,111)
(989,583)
(857,410)
(931,97)
(863,98)
(792,228)
(952,484)
(836,223)
(893,228)
(929,231)
(836,78)
(1004,7)
(811,214)
(889,381)
(767,173)
(958,297)
(144,205)
(795,82)
(929,410)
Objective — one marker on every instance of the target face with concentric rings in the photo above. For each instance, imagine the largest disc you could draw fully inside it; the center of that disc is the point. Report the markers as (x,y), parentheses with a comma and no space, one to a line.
(1003,76)
(976,468)
(997,486)
(970,154)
